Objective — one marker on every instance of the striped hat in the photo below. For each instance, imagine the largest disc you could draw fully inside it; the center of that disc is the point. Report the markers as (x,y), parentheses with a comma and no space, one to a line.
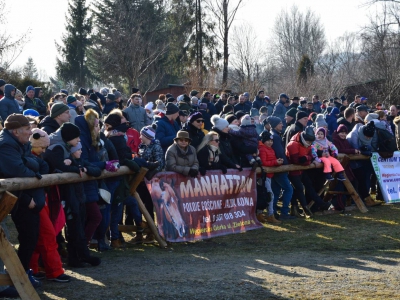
(148,132)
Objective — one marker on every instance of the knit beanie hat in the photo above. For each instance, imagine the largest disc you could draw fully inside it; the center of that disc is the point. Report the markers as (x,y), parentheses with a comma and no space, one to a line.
(160,105)
(245,120)
(57,109)
(342,128)
(29,88)
(30,112)
(171,109)
(230,118)
(300,115)
(370,117)
(39,138)
(94,97)
(308,134)
(291,112)
(76,148)
(265,136)
(193,93)
(149,106)
(218,122)
(113,120)
(71,99)
(320,121)
(117,94)
(321,129)
(274,121)
(69,131)
(2,82)
(186,98)
(148,132)
(194,116)
(82,91)
(109,96)
(64,91)
(239,114)
(369,129)
(170,99)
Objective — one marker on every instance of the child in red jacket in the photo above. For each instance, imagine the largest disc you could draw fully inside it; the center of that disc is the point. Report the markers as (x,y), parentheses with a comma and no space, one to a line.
(268,159)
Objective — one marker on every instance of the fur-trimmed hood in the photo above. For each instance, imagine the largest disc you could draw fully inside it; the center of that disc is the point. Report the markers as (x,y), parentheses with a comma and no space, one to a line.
(396,120)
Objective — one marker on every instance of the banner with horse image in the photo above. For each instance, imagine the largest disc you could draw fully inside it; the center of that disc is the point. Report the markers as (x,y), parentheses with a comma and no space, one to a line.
(387,172)
(206,206)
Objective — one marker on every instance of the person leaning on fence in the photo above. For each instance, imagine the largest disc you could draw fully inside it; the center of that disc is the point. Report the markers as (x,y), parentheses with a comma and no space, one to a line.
(46,246)
(59,157)
(280,181)
(298,152)
(268,159)
(181,157)
(360,138)
(17,161)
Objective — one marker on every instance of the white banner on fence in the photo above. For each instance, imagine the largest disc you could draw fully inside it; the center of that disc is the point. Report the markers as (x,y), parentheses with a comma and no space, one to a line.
(387,171)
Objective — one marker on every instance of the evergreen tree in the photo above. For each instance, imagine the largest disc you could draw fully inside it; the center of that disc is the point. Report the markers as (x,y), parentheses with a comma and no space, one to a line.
(192,43)
(72,65)
(130,43)
(30,70)
(305,70)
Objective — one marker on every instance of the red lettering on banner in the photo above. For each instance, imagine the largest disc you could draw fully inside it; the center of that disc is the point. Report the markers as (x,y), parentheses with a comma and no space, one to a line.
(204,207)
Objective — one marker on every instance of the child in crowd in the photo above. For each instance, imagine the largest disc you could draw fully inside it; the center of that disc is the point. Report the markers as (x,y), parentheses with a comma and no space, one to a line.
(268,159)
(248,133)
(382,117)
(326,152)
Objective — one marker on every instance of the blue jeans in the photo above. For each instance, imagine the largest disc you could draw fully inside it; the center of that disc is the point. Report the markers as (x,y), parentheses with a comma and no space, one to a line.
(280,181)
(117,209)
(112,185)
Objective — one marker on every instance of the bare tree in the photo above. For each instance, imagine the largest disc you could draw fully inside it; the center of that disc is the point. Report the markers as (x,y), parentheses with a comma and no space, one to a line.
(296,34)
(10,45)
(249,63)
(224,12)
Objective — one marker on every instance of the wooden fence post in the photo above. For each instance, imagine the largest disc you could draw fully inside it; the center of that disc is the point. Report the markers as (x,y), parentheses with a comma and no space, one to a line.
(138,178)
(10,258)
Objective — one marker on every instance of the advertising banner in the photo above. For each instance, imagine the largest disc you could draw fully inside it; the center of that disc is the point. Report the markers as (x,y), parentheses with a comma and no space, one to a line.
(387,171)
(206,206)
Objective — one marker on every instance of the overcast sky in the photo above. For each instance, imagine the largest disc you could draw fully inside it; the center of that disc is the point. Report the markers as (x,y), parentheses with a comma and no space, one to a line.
(46,21)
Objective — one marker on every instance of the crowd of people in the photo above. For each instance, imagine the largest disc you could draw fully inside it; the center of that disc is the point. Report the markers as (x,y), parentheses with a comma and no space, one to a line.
(90,131)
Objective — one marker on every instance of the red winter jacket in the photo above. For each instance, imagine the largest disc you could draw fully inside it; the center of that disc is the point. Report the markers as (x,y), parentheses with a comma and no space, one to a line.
(268,157)
(133,139)
(294,150)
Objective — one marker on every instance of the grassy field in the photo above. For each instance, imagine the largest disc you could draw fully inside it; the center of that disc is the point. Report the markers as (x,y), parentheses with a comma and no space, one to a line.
(351,256)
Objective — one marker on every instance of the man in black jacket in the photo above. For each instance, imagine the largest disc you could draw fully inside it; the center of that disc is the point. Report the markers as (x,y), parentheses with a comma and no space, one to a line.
(59,114)
(32,101)
(17,161)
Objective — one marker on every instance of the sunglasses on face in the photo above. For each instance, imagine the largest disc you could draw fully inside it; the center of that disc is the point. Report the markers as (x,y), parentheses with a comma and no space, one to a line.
(216,140)
(200,121)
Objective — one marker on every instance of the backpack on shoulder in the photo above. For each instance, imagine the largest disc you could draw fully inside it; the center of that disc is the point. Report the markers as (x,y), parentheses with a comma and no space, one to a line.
(386,143)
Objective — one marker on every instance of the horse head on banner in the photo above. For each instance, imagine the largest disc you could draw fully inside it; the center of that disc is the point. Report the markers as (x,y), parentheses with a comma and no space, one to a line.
(168,201)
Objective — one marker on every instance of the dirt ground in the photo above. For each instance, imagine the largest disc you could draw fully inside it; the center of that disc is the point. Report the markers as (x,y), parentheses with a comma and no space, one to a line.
(352,256)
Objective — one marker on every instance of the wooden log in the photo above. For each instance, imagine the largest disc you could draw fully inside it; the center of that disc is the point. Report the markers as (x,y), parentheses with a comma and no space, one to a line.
(16,184)
(15,269)
(139,177)
(150,221)
(5,279)
(360,204)
(7,202)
